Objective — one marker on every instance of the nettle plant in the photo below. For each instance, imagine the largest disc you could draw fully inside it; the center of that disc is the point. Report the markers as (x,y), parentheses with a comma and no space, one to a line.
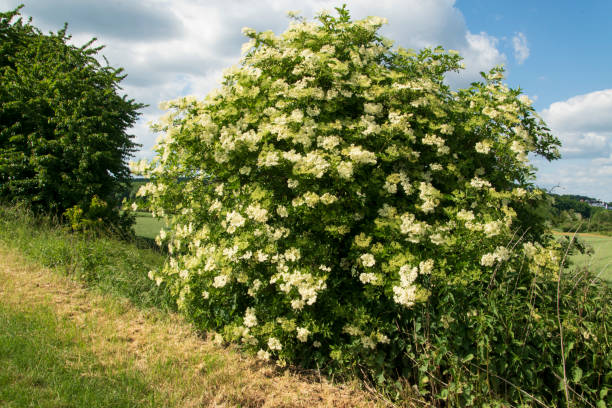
(334,188)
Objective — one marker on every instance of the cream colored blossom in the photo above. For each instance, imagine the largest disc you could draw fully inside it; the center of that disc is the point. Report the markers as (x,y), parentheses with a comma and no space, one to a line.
(345,169)
(483,147)
(328,142)
(255,286)
(302,334)
(479,183)
(465,215)
(373,108)
(292,254)
(219,189)
(250,320)
(387,211)
(281,210)
(268,159)
(368,278)
(367,260)
(425,267)
(311,199)
(220,281)
(360,155)
(274,344)
(492,228)
(234,220)
(257,213)
(368,342)
(328,199)
(352,330)
(390,187)
(263,355)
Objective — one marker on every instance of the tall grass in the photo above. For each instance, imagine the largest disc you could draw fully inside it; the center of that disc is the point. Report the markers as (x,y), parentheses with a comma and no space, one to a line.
(113,265)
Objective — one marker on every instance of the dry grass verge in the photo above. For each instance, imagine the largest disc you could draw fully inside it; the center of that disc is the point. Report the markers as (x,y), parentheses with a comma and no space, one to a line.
(184,369)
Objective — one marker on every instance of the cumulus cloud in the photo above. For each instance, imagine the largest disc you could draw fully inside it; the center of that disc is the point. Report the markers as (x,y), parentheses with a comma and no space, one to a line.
(124,20)
(583,124)
(578,176)
(171,48)
(521,49)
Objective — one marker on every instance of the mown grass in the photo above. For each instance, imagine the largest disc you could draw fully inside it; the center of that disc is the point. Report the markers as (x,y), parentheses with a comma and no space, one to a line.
(96,332)
(600,261)
(47,362)
(146,226)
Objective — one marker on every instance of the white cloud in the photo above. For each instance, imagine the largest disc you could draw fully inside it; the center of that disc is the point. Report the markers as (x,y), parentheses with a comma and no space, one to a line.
(578,176)
(481,54)
(521,49)
(583,123)
(170,48)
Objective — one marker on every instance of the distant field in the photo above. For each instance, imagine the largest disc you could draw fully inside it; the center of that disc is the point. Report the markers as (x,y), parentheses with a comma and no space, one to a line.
(600,262)
(147,226)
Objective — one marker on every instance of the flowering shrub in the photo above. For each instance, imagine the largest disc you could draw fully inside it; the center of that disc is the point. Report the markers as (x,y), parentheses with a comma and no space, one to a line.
(335,194)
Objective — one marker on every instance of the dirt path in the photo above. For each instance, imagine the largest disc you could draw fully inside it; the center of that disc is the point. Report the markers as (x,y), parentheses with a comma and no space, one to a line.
(189,370)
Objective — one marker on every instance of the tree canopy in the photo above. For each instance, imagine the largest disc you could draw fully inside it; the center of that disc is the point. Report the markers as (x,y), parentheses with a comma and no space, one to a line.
(63,121)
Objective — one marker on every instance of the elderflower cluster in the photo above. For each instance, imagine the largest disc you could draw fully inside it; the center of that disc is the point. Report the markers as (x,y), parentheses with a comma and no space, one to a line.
(361,156)
(499,255)
(405,292)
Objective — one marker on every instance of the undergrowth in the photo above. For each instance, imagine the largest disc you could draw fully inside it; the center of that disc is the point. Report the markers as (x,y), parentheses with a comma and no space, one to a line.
(457,354)
(101,261)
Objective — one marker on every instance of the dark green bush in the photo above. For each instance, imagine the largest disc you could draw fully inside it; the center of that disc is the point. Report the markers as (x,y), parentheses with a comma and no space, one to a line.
(63,123)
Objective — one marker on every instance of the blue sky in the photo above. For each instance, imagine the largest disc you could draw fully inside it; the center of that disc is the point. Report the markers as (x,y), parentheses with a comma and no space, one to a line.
(558,52)
(570,43)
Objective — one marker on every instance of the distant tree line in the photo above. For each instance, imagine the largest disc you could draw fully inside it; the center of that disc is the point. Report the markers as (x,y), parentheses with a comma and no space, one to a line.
(575,213)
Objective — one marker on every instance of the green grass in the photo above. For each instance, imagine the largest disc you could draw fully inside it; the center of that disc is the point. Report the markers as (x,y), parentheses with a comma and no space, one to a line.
(46,362)
(147,226)
(114,266)
(600,262)
(62,346)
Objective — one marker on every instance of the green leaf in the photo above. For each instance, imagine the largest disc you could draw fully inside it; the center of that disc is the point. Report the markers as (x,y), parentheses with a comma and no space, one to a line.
(577,374)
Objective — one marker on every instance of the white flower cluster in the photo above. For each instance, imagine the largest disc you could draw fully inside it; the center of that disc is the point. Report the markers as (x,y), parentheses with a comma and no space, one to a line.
(257,213)
(234,221)
(430,197)
(483,147)
(361,156)
(250,320)
(405,292)
(367,260)
(308,287)
(413,228)
(499,255)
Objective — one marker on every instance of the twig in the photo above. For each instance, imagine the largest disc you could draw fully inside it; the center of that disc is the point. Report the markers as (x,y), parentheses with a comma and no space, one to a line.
(574,391)
(376,393)
(559,317)
(511,249)
(513,385)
